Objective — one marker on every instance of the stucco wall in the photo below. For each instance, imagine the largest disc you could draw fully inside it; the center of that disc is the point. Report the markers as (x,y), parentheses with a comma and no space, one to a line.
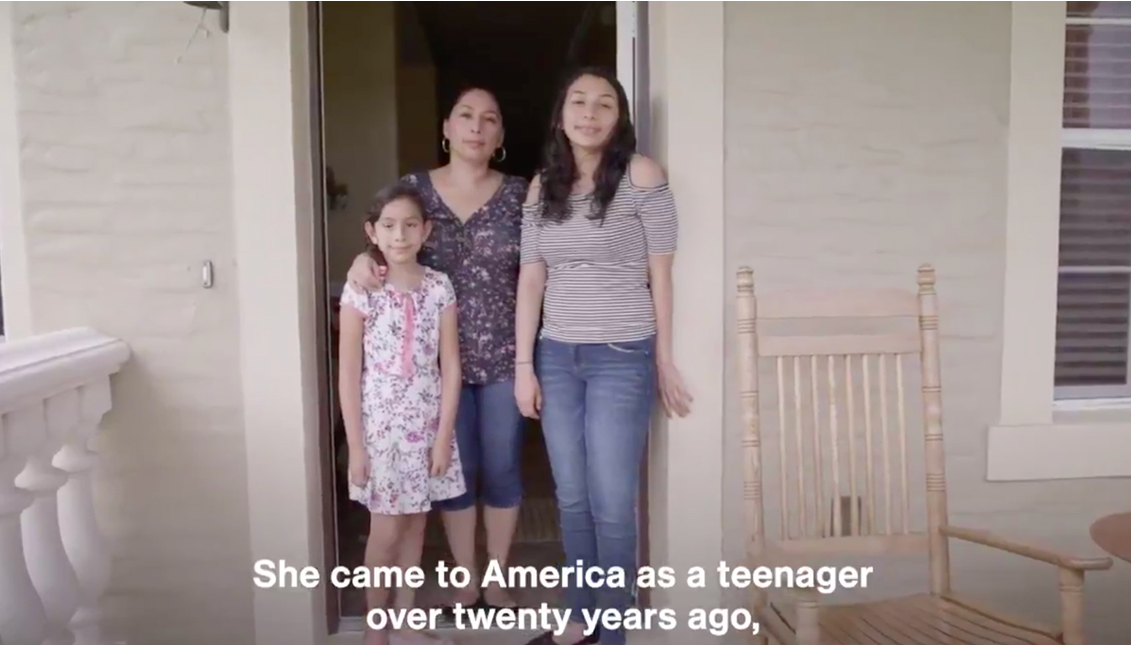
(865,139)
(126,191)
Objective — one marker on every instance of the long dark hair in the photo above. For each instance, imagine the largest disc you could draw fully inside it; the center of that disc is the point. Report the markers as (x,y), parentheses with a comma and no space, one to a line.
(467,87)
(383,198)
(559,169)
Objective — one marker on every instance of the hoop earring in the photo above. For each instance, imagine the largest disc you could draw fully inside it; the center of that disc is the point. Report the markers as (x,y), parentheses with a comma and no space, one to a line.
(504,157)
(444,145)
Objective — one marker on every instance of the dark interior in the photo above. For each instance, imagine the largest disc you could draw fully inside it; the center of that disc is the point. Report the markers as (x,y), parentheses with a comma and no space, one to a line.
(520,50)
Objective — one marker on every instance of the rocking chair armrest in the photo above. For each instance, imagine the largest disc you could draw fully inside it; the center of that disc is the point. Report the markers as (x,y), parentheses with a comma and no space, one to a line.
(985,538)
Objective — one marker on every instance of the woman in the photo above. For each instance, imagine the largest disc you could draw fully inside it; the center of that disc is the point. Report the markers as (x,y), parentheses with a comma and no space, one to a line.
(598,239)
(476,215)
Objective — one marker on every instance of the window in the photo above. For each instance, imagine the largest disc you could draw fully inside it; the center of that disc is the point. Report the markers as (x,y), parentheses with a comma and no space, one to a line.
(1066,161)
(1093,319)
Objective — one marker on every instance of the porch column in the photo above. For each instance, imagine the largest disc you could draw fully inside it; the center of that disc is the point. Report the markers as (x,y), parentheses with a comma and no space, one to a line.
(686,505)
(273,197)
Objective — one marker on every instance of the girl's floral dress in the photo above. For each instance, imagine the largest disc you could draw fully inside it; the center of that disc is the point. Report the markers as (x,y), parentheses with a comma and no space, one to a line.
(400,396)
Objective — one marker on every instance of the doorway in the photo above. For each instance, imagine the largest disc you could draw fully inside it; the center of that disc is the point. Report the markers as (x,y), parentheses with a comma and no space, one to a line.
(389,72)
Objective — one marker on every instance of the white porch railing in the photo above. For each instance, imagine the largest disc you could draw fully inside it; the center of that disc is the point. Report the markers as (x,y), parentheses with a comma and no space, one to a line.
(54,565)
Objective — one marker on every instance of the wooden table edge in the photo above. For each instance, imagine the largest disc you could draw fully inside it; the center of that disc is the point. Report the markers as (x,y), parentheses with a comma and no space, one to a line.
(1112,534)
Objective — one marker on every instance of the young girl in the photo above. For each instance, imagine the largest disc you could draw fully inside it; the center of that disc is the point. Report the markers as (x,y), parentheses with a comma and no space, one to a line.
(400,387)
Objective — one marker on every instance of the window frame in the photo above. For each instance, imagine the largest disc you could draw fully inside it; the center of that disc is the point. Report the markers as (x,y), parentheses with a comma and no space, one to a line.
(1092,139)
(1037,438)
(1032,227)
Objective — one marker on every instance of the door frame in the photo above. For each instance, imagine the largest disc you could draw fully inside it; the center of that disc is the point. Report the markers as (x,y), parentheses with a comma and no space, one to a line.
(272,191)
(326,377)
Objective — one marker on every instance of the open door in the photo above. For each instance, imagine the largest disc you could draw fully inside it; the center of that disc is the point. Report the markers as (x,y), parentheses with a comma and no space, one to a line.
(632,72)
(632,64)
(325,373)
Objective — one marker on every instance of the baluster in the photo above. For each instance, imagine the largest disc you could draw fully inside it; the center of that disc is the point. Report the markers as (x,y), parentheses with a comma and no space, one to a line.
(802,503)
(869,462)
(886,446)
(82,537)
(798,428)
(834,448)
(22,617)
(818,462)
(50,568)
(905,493)
(783,465)
(850,399)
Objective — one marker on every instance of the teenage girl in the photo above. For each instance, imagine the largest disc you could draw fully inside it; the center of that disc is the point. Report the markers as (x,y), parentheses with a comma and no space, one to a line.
(594,330)
(400,388)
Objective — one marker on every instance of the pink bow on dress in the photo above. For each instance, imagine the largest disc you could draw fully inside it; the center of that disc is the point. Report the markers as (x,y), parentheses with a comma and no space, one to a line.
(409,304)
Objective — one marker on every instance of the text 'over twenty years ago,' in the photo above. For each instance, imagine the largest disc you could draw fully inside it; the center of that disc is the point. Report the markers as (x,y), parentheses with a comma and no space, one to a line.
(277,574)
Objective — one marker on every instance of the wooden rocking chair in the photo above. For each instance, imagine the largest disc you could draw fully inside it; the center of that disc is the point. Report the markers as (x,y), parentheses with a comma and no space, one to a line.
(843,382)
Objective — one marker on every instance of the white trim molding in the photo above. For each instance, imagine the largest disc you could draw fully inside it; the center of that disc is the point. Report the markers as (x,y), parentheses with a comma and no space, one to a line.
(1059,451)
(1030,442)
(272,191)
(686,80)
(1032,214)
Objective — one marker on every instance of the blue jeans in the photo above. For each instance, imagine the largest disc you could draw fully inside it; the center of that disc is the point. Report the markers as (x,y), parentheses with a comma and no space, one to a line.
(489,436)
(596,411)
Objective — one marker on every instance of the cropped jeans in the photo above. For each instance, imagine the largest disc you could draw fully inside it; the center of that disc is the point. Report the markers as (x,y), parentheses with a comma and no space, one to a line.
(489,437)
(596,411)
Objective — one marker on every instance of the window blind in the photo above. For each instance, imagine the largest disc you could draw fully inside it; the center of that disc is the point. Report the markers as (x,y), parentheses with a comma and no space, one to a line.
(1097,76)
(1094,291)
